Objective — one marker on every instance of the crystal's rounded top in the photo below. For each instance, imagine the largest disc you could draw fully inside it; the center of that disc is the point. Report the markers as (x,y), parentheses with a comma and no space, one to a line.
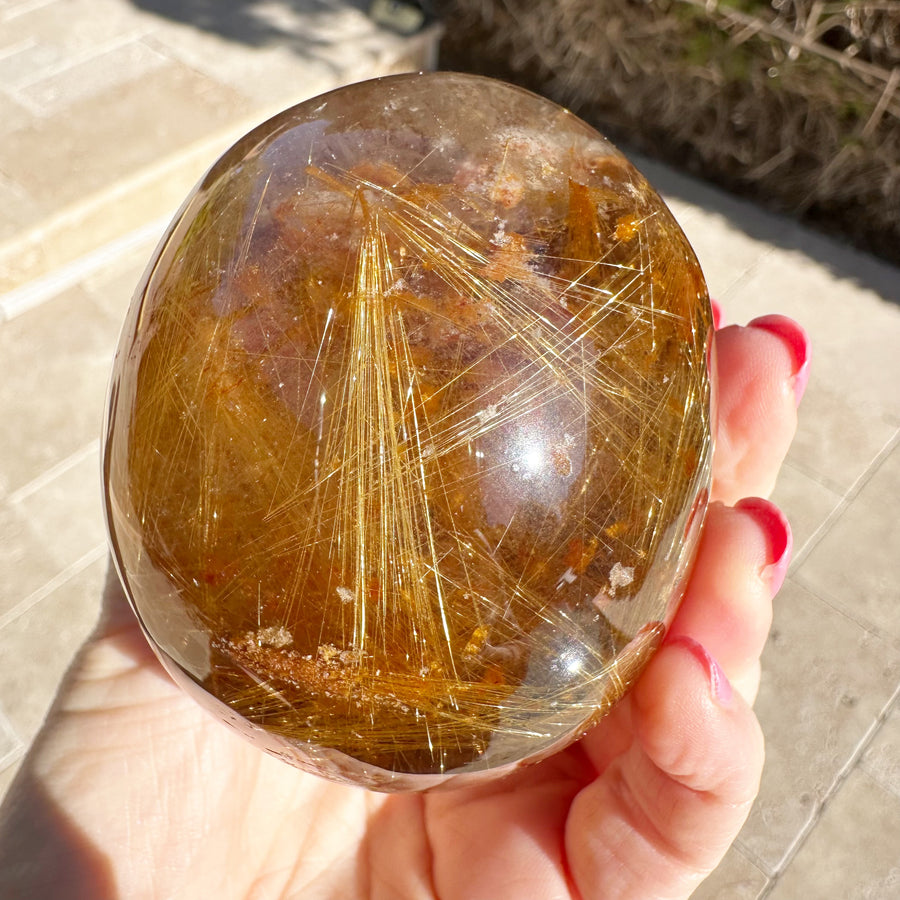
(409,432)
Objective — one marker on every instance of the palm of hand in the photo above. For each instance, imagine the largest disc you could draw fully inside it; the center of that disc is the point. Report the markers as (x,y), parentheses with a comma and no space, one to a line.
(132,791)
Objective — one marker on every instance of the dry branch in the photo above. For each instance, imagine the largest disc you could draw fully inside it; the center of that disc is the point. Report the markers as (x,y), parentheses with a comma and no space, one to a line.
(795,102)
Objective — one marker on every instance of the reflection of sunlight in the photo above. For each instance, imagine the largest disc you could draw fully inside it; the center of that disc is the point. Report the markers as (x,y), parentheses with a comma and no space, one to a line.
(571,661)
(532,457)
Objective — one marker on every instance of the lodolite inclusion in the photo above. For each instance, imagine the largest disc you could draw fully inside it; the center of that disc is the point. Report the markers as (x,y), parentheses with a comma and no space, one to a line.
(408,442)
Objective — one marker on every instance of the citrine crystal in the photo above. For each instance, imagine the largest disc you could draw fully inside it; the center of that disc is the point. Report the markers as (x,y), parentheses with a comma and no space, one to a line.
(408,441)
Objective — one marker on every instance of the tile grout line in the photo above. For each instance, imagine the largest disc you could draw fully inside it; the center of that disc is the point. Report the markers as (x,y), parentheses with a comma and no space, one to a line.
(51,474)
(870,628)
(14,757)
(848,497)
(744,276)
(839,781)
(753,858)
(823,481)
(28,296)
(17,748)
(825,526)
(134,36)
(11,50)
(23,9)
(893,703)
(56,581)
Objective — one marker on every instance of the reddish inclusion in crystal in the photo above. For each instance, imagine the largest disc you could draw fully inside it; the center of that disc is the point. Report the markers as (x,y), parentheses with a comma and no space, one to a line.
(409,434)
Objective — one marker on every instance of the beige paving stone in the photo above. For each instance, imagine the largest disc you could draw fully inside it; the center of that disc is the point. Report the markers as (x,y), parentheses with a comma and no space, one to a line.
(38,647)
(110,164)
(825,682)
(113,287)
(854,851)
(882,758)
(844,262)
(26,562)
(735,878)
(856,565)
(113,68)
(727,254)
(57,360)
(260,55)
(852,403)
(847,321)
(268,76)
(65,515)
(837,440)
(125,212)
(806,503)
(691,198)
(95,141)
(45,39)
(20,210)
(12,113)
(11,8)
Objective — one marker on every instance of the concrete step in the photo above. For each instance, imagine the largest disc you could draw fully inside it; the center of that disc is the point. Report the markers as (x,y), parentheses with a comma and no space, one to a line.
(110,126)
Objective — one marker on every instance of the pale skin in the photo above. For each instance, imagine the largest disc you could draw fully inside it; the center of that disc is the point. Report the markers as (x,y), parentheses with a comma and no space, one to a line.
(131,790)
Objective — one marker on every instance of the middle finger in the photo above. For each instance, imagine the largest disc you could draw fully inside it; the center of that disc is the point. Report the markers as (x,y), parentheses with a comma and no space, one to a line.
(741,562)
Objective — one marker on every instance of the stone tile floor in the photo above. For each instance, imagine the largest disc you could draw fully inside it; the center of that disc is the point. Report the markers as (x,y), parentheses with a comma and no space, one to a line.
(111,111)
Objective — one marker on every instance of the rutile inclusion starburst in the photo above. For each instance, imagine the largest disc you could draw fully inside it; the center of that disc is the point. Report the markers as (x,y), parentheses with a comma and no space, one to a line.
(408,442)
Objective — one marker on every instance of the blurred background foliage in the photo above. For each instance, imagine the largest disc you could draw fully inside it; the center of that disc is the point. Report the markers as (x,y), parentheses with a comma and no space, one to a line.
(793,102)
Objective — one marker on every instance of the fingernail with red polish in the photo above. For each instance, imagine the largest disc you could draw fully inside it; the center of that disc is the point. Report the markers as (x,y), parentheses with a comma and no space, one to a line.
(718,681)
(795,336)
(778,532)
(717,315)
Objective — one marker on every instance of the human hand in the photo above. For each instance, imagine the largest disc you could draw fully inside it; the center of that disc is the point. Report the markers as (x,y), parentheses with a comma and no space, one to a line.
(131,790)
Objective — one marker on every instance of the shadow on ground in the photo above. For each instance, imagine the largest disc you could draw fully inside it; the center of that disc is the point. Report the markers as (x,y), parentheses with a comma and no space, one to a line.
(837,256)
(256,23)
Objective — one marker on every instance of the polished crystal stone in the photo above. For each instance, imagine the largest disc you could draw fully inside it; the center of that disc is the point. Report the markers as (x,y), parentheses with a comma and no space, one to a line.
(408,441)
